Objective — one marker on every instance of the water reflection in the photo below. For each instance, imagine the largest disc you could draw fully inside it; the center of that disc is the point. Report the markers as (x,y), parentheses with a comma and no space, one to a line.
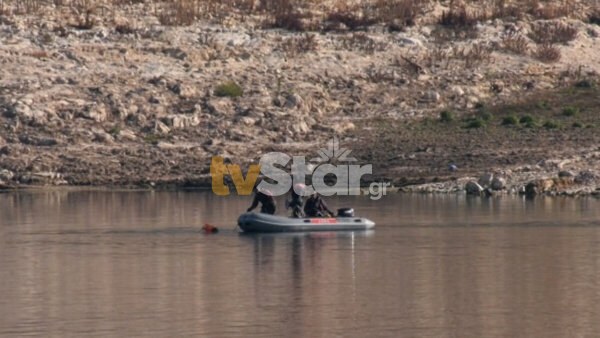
(136,263)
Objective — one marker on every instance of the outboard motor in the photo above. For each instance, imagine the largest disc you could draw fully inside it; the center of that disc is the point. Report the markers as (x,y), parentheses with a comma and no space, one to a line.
(345,212)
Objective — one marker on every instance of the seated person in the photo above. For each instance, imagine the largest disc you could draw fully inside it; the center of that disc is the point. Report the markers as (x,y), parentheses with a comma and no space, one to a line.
(297,202)
(316,207)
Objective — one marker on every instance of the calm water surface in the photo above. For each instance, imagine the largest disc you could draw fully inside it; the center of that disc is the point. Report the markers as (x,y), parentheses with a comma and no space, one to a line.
(85,264)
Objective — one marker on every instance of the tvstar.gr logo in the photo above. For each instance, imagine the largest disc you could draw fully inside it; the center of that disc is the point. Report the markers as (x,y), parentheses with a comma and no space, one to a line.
(320,169)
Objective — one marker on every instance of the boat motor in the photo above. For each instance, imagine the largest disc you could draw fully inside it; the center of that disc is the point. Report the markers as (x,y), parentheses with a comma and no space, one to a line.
(345,212)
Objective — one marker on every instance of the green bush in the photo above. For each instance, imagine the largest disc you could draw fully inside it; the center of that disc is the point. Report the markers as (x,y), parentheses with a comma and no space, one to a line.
(585,84)
(510,120)
(577,125)
(570,111)
(229,89)
(475,123)
(527,119)
(446,116)
(550,125)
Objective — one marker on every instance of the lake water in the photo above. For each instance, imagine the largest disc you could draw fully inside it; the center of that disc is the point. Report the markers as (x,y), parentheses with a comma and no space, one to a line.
(97,264)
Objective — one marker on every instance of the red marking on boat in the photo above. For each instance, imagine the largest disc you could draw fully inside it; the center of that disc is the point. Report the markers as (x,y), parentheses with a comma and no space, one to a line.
(323,220)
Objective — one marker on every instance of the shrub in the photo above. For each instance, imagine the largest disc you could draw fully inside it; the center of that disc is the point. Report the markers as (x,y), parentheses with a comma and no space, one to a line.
(547,53)
(515,43)
(550,125)
(349,18)
(283,14)
(460,17)
(585,84)
(552,11)
(510,120)
(476,54)
(475,123)
(570,111)
(300,45)
(229,89)
(446,116)
(553,32)
(361,42)
(577,125)
(179,13)
(526,119)
(594,16)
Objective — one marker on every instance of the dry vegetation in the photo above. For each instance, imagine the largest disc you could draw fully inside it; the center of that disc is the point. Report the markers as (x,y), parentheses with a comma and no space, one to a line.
(303,15)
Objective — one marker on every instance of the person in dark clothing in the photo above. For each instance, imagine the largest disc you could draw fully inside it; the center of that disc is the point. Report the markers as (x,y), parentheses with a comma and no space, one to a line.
(316,207)
(266,200)
(296,202)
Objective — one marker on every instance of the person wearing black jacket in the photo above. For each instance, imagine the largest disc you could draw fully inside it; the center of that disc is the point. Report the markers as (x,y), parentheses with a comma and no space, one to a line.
(316,207)
(265,199)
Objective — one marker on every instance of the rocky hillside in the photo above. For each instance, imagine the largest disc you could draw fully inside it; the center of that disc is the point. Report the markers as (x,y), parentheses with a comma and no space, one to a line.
(138,93)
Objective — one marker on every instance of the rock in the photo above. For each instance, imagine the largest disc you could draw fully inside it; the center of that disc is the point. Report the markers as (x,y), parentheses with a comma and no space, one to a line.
(406,41)
(565,173)
(161,128)
(473,188)
(102,136)
(288,101)
(6,175)
(539,187)
(498,183)
(126,135)
(219,106)
(176,53)
(586,177)
(38,140)
(431,96)
(248,121)
(457,91)
(343,127)
(97,113)
(486,179)
(184,91)
(27,114)
(182,121)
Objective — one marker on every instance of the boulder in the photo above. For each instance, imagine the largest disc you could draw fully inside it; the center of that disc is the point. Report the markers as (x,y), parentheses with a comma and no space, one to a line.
(565,173)
(498,183)
(220,106)
(182,121)
(473,188)
(161,128)
(6,175)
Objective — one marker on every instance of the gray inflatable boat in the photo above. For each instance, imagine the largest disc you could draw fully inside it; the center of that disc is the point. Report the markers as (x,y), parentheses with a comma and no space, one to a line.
(255,222)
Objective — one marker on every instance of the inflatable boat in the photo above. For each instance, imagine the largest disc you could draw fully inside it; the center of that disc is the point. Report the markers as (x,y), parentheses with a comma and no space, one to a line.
(255,222)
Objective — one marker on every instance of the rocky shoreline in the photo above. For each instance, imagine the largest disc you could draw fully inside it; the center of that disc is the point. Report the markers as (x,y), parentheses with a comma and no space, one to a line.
(118,95)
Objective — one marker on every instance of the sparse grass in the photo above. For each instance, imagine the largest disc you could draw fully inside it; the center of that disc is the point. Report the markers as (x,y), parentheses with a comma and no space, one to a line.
(360,41)
(570,111)
(577,125)
(510,120)
(551,124)
(547,53)
(300,45)
(229,89)
(446,116)
(552,10)
(475,123)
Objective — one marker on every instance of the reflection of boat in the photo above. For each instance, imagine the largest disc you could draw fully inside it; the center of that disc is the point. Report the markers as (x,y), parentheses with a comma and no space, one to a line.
(253,222)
